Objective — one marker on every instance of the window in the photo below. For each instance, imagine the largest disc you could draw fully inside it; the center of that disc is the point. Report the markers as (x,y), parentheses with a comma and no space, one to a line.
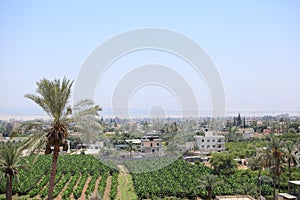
(158,144)
(214,146)
(202,146)
(202,140)
(213,140)
(208,140)
(208,146)
(151,144)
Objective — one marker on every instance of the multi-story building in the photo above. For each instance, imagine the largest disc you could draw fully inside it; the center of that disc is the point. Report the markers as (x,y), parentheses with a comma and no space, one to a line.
(210,142)
(151,143)
(247,133)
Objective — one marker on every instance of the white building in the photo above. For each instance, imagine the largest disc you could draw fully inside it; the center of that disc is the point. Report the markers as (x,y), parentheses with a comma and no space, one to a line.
(247,133)
(210,142)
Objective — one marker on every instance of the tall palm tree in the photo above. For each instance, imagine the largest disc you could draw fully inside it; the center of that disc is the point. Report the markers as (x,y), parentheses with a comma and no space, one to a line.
(291,156)
(11,161)
(273,155)
(209,182)
(53,97)
(256,163)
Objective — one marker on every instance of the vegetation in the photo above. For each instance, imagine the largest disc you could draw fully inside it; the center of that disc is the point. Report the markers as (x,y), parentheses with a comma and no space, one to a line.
(71,168)
(125,185)
(244,149)
(223,163)
(114,185)
(53,97)
(181,180)
(209,182)
(11,162)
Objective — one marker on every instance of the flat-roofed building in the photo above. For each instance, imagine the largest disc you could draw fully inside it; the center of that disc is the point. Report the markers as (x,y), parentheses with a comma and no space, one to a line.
(151,143)
(210,142)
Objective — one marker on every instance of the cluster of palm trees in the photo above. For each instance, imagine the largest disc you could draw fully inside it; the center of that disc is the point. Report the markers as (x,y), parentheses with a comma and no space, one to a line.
(276,156)
(53,97)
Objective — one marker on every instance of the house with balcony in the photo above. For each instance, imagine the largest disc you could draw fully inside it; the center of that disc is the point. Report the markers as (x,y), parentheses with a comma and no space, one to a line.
(151,143)
(210,142)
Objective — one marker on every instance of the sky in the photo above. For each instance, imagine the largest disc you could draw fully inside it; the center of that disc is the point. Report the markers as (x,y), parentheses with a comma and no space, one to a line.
(254,45)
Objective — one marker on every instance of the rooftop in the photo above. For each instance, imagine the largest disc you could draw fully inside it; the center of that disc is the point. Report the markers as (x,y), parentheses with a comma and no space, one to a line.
(238,197)
(287,196)
(295,182)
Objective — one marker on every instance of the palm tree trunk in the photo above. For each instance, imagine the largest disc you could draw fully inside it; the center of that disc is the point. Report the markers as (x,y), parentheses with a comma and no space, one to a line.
(258,177)
(209,194)
(274,187)
(53,170)
(9,187)
(289,167)
(278,183)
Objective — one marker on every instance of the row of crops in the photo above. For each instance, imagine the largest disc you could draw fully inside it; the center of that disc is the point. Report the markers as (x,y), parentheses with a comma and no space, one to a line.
(178,178)
(73,172)
(181,179)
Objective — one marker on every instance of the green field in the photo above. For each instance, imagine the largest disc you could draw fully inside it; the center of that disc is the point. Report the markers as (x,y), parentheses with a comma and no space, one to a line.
(78,176)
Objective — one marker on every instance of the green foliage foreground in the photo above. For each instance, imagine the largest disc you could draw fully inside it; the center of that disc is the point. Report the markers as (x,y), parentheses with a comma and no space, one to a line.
(70,168)
(182,180)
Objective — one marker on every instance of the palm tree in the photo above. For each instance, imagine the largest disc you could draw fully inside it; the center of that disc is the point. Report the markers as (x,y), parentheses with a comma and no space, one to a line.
(291,156)
(247,189)
(273,155)
(257,163)
(53,97)
(130,148)
(209,182)
(11,161)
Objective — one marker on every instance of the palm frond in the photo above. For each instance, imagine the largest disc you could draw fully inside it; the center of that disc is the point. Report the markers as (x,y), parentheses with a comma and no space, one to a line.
(11,159)
(85,119)
(53,97)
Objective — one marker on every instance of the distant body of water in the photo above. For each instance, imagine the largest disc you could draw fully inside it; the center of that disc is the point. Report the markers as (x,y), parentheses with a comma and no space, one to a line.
(26,114)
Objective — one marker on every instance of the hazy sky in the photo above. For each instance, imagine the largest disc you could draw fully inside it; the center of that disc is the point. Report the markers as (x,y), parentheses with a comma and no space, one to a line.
(255,45)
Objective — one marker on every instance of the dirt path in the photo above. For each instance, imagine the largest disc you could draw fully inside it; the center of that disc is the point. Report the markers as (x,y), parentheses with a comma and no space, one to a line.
(122,180)
(96,185)
(107,189)
(123,169)
(122,176)
(82,197)
(125,185)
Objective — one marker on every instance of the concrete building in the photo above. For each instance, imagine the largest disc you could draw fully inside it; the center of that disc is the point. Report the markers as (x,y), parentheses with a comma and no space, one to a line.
(151,143)
(210,142)
(247,133)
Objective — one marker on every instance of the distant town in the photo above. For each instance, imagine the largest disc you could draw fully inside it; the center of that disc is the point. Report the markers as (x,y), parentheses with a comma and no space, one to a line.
(195,138)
